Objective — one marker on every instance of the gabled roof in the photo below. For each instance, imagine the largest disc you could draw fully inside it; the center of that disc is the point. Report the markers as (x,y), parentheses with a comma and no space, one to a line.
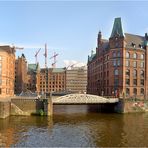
(134,40)
(117,28)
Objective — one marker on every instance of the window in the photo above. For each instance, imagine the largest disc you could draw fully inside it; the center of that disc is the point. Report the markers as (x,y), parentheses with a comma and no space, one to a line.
(135,91)
(134,81)
(142,56)
(114,63)
(135,55)
(127,55)
(142,91)
(107,73)
(107,82)
(142,64)
(135,73)
(134,64)
(114,54)
(127,81)
(142,81)
(127,91)
(127,63)
(116,82)
(107,57)
(127,72)
(116,72)
(118,62)
(142,73)
(116,45)
(118,54)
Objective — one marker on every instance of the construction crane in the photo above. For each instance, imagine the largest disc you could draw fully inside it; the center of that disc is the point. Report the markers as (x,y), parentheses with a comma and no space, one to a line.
(16,47)
(36,54)
(45,54)
(71,65)
(54,57)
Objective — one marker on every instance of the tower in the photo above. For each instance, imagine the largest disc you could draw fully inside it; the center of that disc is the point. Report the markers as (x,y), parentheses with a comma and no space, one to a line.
(117,37)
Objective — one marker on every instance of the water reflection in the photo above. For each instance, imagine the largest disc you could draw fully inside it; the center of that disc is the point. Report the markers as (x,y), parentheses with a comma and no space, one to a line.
(79,129)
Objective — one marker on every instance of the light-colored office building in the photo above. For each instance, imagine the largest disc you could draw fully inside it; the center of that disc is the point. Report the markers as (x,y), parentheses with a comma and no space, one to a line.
(76,80)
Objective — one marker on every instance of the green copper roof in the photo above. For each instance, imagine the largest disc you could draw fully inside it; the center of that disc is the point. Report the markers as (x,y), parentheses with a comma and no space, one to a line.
(33,67)
(117,28)
(58,70)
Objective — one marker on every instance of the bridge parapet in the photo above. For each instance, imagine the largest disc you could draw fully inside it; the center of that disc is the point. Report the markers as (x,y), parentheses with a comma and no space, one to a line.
(83,99)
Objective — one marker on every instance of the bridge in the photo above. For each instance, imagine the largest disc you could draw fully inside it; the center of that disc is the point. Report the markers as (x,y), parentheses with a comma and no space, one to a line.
(83,99)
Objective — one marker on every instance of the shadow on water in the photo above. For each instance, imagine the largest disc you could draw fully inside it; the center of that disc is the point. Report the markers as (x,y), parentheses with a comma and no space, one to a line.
(94,108)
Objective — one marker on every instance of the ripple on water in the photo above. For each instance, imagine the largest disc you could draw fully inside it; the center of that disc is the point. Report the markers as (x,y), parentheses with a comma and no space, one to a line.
(76,130)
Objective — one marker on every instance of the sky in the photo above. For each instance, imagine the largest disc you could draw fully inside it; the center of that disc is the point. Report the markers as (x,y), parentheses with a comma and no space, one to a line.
(69,28)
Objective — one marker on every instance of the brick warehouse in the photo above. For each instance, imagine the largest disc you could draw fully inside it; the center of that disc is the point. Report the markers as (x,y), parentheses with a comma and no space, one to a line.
(120,65)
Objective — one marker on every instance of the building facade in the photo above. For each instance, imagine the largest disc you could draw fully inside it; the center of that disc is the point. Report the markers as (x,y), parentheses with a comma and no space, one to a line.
(120,65)
(20,74)
(51,80)
(7,71)
(32,77)
(76,80)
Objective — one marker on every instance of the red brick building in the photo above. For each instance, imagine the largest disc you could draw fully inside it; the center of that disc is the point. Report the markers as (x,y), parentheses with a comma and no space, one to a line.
(20,74)
(51,80)
(120,65)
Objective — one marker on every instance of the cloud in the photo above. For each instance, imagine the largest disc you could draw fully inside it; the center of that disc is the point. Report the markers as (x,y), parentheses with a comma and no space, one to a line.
(73,63)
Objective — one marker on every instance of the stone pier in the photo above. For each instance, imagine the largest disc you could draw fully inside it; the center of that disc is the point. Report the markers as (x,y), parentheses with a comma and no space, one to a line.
(5,107)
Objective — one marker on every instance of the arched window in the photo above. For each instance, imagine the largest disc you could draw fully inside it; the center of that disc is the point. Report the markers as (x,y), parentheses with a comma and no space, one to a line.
(142,64)
(127,91)
(142,73)
(142,91)
(116,72)
(135,73)
(127,63)
(127,72)
(142,56)
(135,64)
(127,55)
(135,55)
(135,91)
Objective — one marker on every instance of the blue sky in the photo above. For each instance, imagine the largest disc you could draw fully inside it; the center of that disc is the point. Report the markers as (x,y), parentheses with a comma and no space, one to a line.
(69,28)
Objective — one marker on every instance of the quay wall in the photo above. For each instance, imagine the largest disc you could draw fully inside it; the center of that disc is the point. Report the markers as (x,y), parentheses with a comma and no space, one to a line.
(131,106)
(31,106)
(25,106)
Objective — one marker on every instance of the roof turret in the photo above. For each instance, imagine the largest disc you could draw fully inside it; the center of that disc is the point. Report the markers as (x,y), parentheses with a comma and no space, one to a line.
(117,28)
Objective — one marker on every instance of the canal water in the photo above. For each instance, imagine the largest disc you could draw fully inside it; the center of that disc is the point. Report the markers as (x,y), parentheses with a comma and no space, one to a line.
(74,126)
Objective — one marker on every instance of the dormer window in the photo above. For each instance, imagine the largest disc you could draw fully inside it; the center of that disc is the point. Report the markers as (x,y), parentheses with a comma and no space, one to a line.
(133,45)
(140,46)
